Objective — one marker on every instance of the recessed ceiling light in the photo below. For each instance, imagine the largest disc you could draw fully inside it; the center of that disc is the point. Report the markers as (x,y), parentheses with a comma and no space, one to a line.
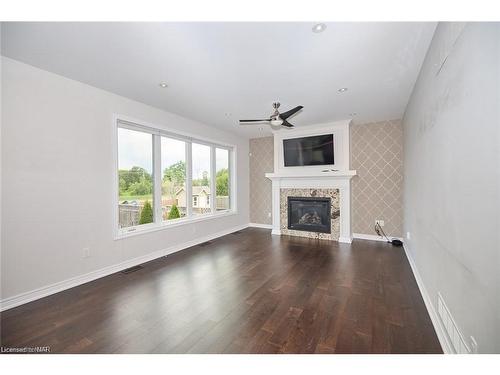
(319,28)
(343,89)
(163,85)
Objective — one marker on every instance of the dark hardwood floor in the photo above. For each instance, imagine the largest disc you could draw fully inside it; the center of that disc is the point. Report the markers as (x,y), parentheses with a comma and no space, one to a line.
(247,292)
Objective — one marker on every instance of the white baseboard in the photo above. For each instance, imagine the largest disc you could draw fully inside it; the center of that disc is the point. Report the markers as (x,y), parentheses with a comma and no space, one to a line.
(345,239)
(373,237)
(257,225)
(436,321)
(20,299)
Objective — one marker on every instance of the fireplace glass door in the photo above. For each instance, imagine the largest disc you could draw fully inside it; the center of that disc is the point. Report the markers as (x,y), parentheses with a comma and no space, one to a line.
(309,214)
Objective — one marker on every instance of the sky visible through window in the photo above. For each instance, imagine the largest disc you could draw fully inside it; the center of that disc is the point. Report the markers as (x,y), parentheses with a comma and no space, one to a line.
(172,151)
(201,160)
(221,159)
(135,150)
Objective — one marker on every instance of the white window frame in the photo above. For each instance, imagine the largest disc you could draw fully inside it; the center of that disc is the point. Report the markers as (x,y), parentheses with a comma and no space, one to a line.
(157,132)
(229,167)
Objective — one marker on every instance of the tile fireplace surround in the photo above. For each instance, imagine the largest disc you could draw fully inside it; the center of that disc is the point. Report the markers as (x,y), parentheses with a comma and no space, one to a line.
(333,194)
(336,185)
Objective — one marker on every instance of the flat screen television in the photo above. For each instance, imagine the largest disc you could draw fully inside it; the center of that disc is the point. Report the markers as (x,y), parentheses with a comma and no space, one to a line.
(314,150)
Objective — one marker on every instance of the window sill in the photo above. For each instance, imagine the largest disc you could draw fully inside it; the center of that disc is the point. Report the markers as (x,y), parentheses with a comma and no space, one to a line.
(149,228)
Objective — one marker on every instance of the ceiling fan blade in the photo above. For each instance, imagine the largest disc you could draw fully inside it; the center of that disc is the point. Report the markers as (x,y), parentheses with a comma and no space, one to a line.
(287,124)
(291,112)
(263,120)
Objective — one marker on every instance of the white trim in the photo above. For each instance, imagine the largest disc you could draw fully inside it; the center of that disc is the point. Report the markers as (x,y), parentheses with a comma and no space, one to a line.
(20,299)
(436,322)
(148,228)
(340,131)
(232,178)
(213,173)
(161,129)
(120,121)
(157,178)
(336,176)
(345,239)
(115,189)
(373,237)
(313,174)
(331,180)
(257,225)
(189,179)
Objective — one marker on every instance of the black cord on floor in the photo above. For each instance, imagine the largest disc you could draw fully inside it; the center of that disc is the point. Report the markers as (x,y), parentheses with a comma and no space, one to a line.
(394,241)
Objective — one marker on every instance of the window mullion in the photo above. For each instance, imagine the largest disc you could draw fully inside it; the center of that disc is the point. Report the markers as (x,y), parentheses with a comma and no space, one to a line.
(212,179)
(230,167)
(158,214)
(189,180)
(129,213)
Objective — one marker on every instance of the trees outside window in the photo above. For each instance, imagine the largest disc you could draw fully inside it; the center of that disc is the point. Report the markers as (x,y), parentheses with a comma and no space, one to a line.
(173,185)
(163,177)
(135,180)
(201,178)
(222,180)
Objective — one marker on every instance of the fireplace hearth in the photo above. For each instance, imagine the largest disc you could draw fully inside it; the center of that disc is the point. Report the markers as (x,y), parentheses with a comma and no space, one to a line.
(312,214)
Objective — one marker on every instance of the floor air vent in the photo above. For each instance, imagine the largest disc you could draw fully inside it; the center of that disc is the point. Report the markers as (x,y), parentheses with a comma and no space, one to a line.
(455,336)
(132,269)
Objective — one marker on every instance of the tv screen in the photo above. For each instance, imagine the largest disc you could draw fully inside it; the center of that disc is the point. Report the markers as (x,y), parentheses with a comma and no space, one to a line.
(315,150)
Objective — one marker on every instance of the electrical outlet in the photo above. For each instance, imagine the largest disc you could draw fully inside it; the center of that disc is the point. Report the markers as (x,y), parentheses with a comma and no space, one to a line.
(86,252)
(408,236)
(379,222)
(268,214)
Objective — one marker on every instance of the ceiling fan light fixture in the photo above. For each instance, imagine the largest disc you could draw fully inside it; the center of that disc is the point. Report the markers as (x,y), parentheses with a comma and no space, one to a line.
(276,119)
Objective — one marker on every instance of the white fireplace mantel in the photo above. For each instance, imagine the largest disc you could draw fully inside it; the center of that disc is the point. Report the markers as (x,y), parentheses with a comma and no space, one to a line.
(315,180)
(309,175)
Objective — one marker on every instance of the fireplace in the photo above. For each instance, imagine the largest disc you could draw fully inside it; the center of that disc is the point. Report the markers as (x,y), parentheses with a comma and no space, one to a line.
(312,214)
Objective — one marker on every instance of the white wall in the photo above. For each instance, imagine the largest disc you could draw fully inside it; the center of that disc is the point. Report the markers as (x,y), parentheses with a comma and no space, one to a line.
(1,127)
(452,177)
(57,174)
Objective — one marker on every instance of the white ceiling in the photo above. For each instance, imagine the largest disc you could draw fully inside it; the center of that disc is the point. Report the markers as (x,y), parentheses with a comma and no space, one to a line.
(220,72)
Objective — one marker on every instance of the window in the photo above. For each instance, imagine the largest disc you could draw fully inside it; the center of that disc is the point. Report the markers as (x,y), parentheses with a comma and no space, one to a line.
(135,178)
(201,178)
(222,179)
(173,183)
(165,178)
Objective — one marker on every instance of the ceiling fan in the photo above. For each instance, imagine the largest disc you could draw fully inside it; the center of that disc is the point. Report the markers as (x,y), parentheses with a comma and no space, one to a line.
(277,118)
